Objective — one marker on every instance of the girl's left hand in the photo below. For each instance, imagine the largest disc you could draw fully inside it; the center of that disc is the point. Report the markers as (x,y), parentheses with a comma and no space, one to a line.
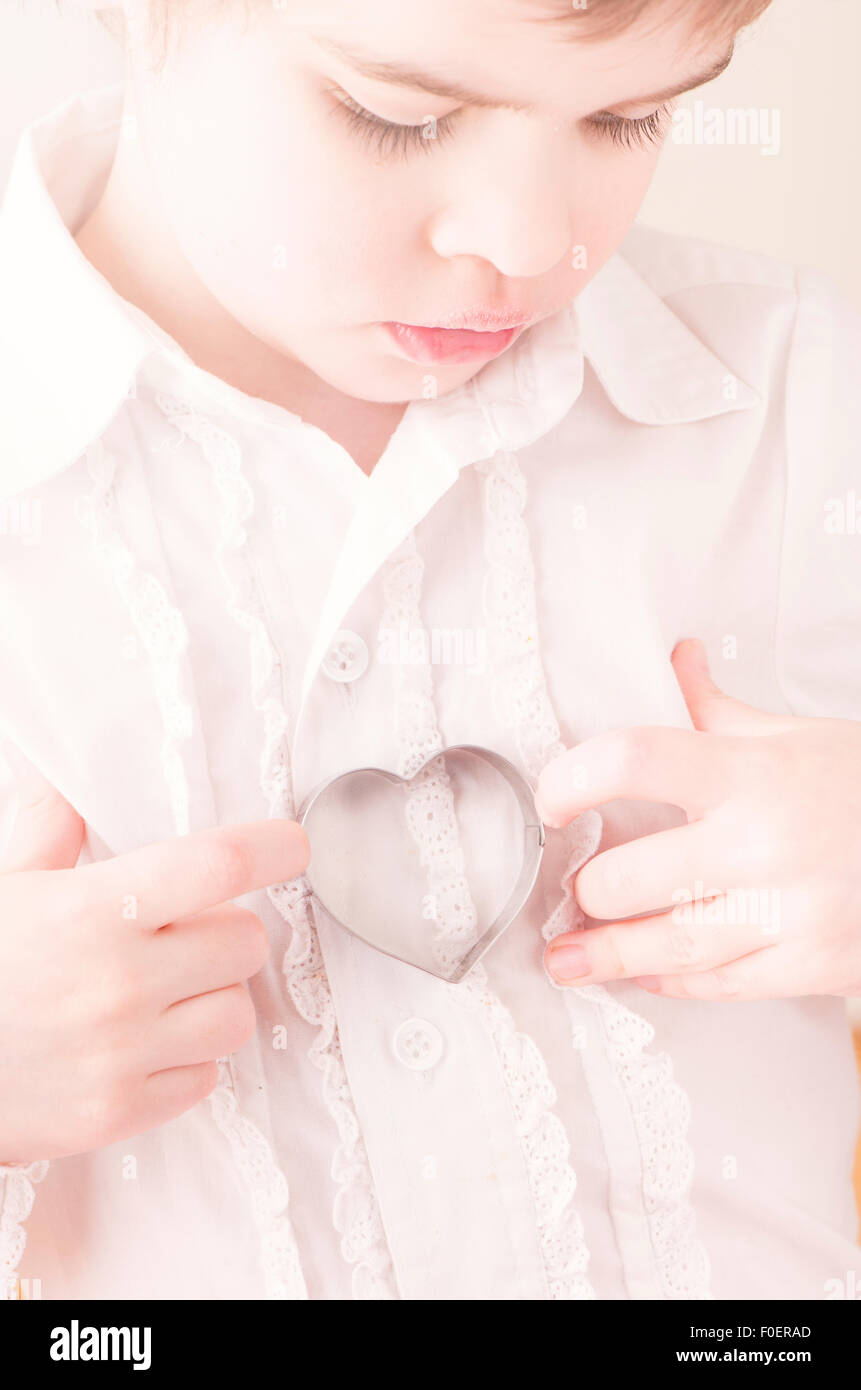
(759,895)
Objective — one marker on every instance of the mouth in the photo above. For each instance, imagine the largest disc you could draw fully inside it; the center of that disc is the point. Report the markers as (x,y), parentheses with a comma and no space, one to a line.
(434,344)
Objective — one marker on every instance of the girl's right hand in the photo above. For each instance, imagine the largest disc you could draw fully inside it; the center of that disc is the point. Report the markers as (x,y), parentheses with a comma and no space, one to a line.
(121,982)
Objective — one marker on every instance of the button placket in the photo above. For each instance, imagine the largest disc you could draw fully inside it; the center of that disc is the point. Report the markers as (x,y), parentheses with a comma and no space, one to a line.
(346,694)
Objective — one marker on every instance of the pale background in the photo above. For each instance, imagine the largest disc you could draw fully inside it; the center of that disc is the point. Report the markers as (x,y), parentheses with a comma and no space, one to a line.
(800,59)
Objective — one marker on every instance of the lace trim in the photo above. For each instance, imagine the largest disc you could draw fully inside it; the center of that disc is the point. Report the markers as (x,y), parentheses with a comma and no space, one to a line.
(16,1203)
(162,631)
(159,625)
(660,1108)
(433,826)
(356,1216)
(520,697)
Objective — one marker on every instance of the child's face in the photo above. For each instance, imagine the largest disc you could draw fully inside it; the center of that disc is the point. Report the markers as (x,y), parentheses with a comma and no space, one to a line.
(313,236)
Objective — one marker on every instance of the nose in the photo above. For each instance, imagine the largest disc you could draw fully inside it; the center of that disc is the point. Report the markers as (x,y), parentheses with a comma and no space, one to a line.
(510,203)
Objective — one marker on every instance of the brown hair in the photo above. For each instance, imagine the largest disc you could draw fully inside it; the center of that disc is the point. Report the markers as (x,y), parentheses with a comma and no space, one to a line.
(586,20)
(601,19)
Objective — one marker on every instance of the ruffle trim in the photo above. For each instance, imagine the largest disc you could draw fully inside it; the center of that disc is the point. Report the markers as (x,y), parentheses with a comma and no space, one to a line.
(158,623)
(355,1215)
(520,698)
(433,825)
(16,1203)
(162,631)
(659,1107)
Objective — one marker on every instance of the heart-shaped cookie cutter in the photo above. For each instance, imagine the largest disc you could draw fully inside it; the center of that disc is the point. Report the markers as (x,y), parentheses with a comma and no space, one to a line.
(533,849)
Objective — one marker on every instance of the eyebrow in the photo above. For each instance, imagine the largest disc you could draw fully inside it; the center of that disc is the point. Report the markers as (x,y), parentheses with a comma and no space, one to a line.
(401,75)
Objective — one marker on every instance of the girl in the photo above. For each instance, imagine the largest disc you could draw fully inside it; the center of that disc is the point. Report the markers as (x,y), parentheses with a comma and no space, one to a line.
(347,419)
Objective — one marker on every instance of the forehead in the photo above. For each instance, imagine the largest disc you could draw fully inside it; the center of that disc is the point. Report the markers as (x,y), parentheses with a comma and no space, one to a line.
(522,52)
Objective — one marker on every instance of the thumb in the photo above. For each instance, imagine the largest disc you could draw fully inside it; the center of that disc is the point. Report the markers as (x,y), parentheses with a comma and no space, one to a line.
(710,708)
(47,832)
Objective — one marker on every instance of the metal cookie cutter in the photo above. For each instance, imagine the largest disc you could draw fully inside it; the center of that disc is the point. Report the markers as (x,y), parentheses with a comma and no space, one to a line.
(348,877)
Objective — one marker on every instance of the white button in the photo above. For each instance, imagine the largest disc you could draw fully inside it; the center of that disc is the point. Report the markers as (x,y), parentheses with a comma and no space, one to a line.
(418,1044)
(347,658)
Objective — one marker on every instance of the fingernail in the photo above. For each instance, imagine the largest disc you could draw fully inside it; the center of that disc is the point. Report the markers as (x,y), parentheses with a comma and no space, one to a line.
(567,963)
(548,817)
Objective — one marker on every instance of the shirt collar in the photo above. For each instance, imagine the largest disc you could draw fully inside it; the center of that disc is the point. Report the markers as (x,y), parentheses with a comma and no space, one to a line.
(69,352)
(71,348)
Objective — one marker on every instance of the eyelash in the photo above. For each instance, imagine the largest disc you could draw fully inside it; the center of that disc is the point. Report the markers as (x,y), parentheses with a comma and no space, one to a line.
(387,136)
(632,133)
(390,138)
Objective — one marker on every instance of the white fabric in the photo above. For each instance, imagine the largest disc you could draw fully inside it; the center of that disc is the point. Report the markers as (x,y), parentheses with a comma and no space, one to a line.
(655,462)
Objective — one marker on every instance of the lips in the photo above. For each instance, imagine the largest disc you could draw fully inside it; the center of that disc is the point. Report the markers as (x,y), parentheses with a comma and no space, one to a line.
(425,345)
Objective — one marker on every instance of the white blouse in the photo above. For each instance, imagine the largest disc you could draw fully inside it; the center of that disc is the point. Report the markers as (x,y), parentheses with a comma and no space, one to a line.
(195,592)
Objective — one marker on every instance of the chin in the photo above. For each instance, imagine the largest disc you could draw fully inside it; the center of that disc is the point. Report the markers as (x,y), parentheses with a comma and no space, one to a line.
(402,382)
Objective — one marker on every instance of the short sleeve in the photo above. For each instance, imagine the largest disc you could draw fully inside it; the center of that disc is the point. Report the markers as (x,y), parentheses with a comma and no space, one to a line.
(818,627)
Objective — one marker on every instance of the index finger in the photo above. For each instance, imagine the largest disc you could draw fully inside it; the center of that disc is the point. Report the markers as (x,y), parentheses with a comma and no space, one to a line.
(161,882)
(684,767)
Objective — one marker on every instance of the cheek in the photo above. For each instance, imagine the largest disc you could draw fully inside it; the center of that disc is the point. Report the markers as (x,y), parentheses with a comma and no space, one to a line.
(289,235)
(604,196)
(609,203)
(276,215)
(604,204)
